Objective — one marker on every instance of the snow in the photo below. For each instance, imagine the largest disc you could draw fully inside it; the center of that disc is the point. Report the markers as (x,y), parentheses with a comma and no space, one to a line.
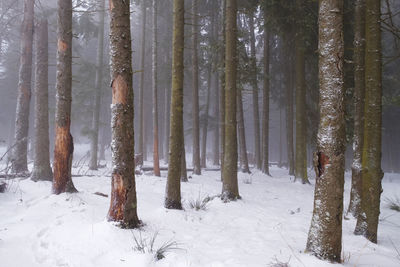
(270,223)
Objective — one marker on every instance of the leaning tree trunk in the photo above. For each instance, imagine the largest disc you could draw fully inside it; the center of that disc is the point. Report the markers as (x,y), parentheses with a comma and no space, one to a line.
(367,222)
(141,147)
(230,190)
(256,113)
(205,123)
(19,162)
(64,145)
(300,171)
(359,94)
(325,235)
(123,205)
(176,142)
(265,112)
(244,163)
(99,75)
(156,161)
(195,111)
(41,163)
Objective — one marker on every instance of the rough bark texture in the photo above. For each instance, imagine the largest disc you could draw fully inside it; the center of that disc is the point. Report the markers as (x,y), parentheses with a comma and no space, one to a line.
(166,121)
(230,190)
(265,111)
(94,142)
(123,204)
(173,189)
(64,145)
(244,163)
(195,103)
(367,223)
(19,161)
(205,123)
(142,149)
(222,90)
(300,171)
(41,163)
(325,235)
(156,161)
(254,84)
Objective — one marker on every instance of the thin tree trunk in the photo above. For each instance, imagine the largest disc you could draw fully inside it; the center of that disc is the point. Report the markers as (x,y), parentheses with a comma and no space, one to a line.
(325,235)
(368,219)
(99,75)
(230,190)
(19,162)
(64,145)
(222,90)
(289,117)
(195,111)
(156,161)
(244,163)
(41,163)
(176,142)
(184,177)
(123,204)
(167,96)
(142,149)
(205,125)
(265,112)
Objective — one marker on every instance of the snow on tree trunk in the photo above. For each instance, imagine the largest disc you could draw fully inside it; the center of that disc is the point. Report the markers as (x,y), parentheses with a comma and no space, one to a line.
(325,235)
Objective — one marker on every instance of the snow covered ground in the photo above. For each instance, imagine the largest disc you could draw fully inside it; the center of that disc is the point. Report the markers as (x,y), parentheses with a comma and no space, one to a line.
(268,225)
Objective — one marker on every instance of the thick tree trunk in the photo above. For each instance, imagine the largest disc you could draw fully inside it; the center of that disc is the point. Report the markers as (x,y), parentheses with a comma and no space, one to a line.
(41,163)
(230,190)
(325,235)
(265,112)
(254,83)
(195,111)
(359,94)
(222,90)
(99,75)
(301,130)
(19,162)
(176,142)
(142,148)
(156,161)
(244,163)
(64,145)
(123,204)
(205,124)
(368,219)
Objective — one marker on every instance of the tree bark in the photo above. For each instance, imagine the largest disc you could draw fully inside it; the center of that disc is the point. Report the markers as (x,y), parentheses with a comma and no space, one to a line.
(99,75)
(325,235)
(265,112)
(64,145)
(142,149)
(184,177)
(359,94)
(19,161)
(222,90)
(244,163)
(230,190)
(167,96)
(176,142)
(41,163)
(368,219)
(205,124)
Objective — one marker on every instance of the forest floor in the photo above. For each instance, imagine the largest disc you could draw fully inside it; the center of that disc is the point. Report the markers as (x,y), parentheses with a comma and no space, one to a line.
(267,227)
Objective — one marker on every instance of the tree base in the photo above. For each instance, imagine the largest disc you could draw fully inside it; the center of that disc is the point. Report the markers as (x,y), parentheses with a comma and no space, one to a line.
(42,174)
(172,204)
(229,196)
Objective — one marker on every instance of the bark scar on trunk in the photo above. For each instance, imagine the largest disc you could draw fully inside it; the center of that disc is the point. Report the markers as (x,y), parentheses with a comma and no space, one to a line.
(118,198)
(320,161)
(111,5)
(62,46)
(119,90)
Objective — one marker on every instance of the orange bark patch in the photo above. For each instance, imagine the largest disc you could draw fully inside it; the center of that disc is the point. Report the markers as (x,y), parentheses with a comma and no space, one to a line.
(25,92)
(62,159)
(111,5)
(62,46)
(118,198)
(323,160)
(119,90)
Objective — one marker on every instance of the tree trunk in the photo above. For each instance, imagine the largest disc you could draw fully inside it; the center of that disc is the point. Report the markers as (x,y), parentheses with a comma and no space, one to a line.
(289,117)
(244,163)
(205,125)
(265,112)
(123,205)
(367,222)
(19,162)
(301,130)
(254,83)
(64,145)
(141,147)
(230,190)
(99,75)
(325,235)
(222,90)
(184,177)
(156,161)
(166,121)
(176,142)
(41,163)
(359,94)
(195,111)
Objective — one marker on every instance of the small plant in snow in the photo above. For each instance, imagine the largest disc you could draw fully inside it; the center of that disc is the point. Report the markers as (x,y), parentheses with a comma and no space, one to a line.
(393,203)
(278,263)
(199,203)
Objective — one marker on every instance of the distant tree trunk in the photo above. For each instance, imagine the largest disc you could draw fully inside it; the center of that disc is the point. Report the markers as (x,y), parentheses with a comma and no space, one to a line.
(359,94)
(156,161)
(167,96)
(176,142)
(64,145)
(301,132)
(230,190)
(214,75)
(41,163)
(205,124)
(325,235)
(222,90)
(254,82)
(19,162)
(142,149)
(98,87)
(368,219)
(123,205)
(289,118)
(195,111)
(244,163)
(265,112)
(217,127)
